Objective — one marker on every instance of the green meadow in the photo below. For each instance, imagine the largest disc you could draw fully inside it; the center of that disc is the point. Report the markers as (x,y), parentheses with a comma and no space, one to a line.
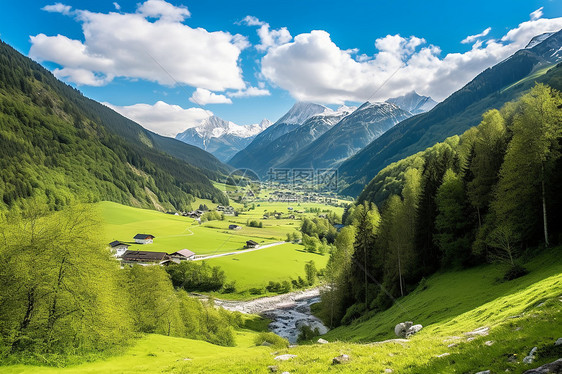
(256,269)
(520,315)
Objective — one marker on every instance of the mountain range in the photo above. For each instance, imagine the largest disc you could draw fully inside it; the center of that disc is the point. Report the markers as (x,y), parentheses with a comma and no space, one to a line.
(222,138)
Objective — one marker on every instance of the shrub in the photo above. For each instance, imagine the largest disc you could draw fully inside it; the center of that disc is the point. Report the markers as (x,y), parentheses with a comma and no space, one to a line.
(353,312)
(271,339)
(514,272)
(307,333)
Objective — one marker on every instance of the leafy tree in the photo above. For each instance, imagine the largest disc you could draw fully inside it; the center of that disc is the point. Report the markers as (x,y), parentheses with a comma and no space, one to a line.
(311,272)
(453,229)
(530,157)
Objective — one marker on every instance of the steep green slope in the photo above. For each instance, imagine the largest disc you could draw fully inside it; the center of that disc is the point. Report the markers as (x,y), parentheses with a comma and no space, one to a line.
(57,144)
(521,314)
(456,114)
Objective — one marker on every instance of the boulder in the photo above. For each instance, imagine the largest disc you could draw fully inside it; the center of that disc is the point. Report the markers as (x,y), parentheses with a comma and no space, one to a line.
(558,342)
(341,359)
(273,369)
(400,330)
(285,357)
(443,355)
(413,330)
(388,370)
(484,372)
(489,343)
(322,341)
(528,359)
(553,367)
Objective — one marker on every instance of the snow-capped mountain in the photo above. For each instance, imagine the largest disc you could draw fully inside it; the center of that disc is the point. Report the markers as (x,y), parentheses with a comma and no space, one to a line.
(348,136)
(296,116)
(413,103)
(222,138)
(538,39)
(302,111)
(286,146)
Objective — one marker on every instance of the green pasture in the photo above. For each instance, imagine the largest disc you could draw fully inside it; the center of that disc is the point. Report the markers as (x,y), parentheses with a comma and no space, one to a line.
(255,269)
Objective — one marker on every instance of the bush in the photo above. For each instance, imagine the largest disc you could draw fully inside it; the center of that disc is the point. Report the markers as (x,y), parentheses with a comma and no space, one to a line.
(271,339)
(229,287)
(514,272)
(307,333)
(256,291)
(353,312)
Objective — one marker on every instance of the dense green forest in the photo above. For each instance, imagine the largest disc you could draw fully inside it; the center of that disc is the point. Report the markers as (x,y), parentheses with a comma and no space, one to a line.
(64,295)
(57,144)
(491,194)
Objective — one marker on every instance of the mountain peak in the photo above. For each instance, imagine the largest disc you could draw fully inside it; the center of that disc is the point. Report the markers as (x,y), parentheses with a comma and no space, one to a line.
(413,102)
(301,111)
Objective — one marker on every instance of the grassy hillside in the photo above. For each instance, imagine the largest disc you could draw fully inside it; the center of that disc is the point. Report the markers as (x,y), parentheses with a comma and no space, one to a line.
(60,146)
(521,314)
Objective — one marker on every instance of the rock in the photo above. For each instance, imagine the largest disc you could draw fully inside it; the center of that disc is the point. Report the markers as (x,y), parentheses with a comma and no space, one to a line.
(558,342)
(512,358)
(273,369)
(266,344)
(388,370)
(528,359)
(484,372)
(553,367)
(452,345)
(400,330)
(413,330)
(481,331)
(443,355)
(533,351)
(489,343)
(285,372)
(285,357)
(322,341)
(341,359)
(470,339)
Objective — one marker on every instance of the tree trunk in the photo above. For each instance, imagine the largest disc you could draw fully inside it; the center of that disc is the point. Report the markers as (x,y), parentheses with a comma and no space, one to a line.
(400,273)
(546,243)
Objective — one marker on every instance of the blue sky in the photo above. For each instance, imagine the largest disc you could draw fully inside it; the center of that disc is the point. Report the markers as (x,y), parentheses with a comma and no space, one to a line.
(170,64)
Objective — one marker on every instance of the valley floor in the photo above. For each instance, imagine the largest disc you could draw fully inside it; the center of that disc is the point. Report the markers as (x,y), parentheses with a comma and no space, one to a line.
(513,317)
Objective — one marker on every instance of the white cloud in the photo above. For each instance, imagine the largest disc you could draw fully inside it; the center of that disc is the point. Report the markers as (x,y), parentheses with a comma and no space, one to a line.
(151,44)
(163,118)
(313,68)
(202,96)
(536,14)
(250,92)
(117,6)
(250,21)
(472,38)
(164,11)
(268,38)
(58,8)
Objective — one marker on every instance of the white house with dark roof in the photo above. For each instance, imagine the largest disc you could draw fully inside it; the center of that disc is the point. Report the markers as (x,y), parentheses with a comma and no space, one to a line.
(118,248)
(182,255)
(144,238)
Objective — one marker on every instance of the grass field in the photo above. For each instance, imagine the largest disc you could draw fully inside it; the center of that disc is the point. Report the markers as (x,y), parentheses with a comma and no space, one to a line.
(256,269)
(521,314)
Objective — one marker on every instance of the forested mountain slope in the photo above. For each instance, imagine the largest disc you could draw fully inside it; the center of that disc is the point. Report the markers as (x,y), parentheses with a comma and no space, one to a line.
(460,111)
(57,144)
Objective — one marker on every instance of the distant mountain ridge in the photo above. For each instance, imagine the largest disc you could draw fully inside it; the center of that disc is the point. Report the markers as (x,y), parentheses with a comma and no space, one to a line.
(413,103)
(460,111)
(222,138)
(285,146)
(348,136)
(250,157)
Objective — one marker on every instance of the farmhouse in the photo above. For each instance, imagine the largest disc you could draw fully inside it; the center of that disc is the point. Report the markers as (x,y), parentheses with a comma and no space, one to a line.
(144,238)
(234,227)
(252,244)
(143,257)
(182,255)
(118,248)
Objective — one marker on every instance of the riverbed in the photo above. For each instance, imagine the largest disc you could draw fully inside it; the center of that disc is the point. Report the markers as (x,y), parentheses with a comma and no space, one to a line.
(288,312)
